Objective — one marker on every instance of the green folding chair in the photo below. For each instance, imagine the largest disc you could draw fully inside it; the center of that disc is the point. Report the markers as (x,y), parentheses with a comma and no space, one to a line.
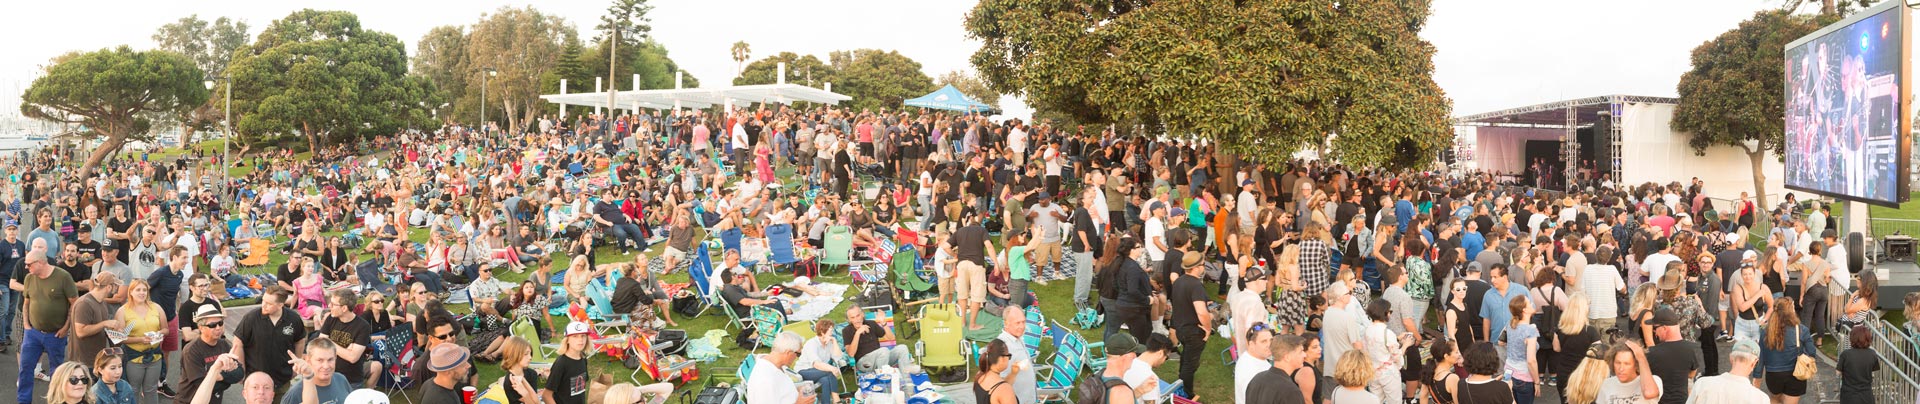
(839,248)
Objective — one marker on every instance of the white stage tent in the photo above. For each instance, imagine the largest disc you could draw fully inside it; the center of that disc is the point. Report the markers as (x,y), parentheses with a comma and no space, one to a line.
(1634,140)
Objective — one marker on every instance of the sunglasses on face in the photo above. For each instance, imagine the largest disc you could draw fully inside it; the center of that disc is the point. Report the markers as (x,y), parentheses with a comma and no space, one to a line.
(79,380)
(443,336)
(216,324)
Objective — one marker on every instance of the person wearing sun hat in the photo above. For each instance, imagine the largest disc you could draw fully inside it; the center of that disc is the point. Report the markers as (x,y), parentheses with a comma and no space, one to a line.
(209,352)
(449,366)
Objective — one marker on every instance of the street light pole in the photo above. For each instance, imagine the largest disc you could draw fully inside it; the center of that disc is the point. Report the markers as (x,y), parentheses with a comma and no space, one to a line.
(226,137)
(483,96)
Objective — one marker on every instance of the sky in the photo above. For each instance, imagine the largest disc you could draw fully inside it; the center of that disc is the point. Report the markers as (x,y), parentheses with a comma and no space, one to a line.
(1492,54)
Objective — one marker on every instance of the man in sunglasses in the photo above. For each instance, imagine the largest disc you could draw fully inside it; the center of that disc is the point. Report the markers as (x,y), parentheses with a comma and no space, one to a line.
(50,296)
(211,352)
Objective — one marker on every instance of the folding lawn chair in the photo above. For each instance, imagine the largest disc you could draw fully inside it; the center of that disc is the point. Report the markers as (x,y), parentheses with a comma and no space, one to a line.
(705,281)
(781,252)
(731,239)
(1055,383)
(541,354)
(767,324)
(942,343)
(838,248)
(909,282)
(1036,332)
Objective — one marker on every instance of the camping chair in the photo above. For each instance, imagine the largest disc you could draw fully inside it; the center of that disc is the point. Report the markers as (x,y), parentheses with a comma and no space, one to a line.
(909,283)
(1168,391)
(705,284)
(1093,354)
(839,248)
(767,324)
(541,354)
(942,345)
(396,349)
(781,251)
(1055,383)
(731,239)
(1036,331)
(258,253)
(650,363)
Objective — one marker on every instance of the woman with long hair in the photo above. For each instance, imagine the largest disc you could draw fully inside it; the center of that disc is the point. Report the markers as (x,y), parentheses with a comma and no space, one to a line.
(1750,299)
(530,303)
(1458,322)
(516,355)
(1786,339)
(1440,376)
(1316,267)
(1859,307)
(1640,305)
(1308,376)
(1573,333)
(988,386)
(1583,384)
(1291,299)
(110,389)
(145,358)
(69,384)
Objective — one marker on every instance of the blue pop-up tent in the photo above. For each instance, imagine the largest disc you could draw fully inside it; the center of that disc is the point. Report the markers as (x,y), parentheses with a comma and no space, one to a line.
(949,98)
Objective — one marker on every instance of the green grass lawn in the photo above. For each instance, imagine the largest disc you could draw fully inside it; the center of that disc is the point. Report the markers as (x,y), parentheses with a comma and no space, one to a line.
(1907,211)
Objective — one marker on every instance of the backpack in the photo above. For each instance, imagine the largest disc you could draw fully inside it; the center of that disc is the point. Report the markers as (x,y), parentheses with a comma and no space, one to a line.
(1094,390)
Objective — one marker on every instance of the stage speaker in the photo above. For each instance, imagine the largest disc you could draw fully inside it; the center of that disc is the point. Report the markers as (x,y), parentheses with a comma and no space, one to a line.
(1602,154)
(1899,247)
(1856,256)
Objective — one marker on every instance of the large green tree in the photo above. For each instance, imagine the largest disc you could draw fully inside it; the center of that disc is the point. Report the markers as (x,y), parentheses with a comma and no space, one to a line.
(1261,78)
(210,45)
(524,46)
(319,75)
(970,85)
(110,93)
(878,79)
(441,58)
(800,69)
(1735,92)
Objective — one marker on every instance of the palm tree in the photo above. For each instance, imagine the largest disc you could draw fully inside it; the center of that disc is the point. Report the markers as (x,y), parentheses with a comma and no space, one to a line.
(740,54)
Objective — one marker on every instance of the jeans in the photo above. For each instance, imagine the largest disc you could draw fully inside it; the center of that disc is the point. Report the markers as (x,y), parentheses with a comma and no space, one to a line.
(629,233)
(1082,278)
(145,377)
(1709,349)
(829,383)
(1134,318)
(431,280)
(32,346)
(1522,392)
(9,309)
(1193,345)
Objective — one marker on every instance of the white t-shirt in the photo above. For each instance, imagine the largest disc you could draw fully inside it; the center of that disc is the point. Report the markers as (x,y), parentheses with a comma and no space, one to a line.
(1053,161)
(1612,391)
(1599,282)
(1837,255)
(1156,230)
(767,384)
(1243,371)
(1725,388)
(1656,264)
(1138,376)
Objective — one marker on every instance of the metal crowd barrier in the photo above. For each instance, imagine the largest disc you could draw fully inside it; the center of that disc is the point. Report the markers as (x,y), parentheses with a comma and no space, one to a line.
(1895,382)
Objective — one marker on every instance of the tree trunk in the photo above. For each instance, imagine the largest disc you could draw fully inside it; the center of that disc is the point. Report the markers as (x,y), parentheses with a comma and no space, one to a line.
(513,115)
(186,135)
(1758,158)
(107,147)
(313,140)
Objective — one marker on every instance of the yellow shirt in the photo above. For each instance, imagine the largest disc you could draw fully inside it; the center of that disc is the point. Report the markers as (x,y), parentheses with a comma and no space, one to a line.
(152,321)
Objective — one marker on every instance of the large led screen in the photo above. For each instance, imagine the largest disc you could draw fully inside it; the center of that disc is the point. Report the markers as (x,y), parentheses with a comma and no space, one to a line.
(1845,124)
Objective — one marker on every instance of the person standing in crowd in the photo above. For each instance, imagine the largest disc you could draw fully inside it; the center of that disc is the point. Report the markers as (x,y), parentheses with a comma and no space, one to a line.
(1125,288)
(1483,384)
(1191,319)
(314,379)
(989,386)
(142,317)
(1782,344)
(92,317)
(211,360)
(12,252)
(449,366)
(971,246)
(1857,365)
(1673,359)
(1440,379)
(50,297)
(1735,386)
(1574,333)
(1085,237)
(265,334)
(1019,371)
(1341,330)
(1122,349)
(1385,349)
(69,385)
(1256,356)
(1494,308)
(110,388)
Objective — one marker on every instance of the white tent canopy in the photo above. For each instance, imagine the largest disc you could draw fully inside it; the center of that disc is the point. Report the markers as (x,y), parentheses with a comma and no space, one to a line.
(701,97)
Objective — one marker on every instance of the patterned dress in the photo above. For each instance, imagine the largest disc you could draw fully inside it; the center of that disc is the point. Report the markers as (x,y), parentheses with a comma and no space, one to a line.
(1316,266)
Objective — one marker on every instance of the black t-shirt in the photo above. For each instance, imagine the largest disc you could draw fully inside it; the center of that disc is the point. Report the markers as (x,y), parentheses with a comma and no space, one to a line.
(196,357)
(733,294)
(345,334)
(190,307)
(1274,386)
(970,244)
(78,269)
(569,380)
(1185,291)
(1673,361)
(1476,292)
(868,342)
(88,249)
(533,382)
(267,342)
(629,295)
(1083,223)
(431,392)
(1564,364)
(117,225)
(1856,372)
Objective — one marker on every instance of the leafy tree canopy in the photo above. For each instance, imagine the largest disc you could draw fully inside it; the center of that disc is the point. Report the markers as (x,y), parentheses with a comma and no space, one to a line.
(110,92)
(320,75)
(799,69)
(1735,92)
(210,45)
(878,79)
(1263,79)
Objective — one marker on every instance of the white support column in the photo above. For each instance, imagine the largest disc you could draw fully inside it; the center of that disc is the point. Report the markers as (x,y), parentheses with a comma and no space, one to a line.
(636,87)
(780,73)
(679,81)
(597,88)
(563,107)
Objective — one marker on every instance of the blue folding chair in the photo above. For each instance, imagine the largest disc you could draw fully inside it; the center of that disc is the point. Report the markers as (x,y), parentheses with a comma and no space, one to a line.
(730,238)
(780,247)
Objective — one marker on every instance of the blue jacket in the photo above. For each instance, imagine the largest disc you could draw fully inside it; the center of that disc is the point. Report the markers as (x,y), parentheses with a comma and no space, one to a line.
(1783,359)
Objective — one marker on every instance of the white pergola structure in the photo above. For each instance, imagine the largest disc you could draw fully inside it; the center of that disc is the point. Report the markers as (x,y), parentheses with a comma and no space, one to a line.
(698,98)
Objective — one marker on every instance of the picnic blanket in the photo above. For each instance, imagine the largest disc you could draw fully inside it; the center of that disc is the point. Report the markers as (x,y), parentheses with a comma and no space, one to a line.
(990,325)
(811,308)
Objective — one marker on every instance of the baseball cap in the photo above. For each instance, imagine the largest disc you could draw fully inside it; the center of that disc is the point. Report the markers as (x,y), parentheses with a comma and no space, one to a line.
(577,328)
(206,312)
(1665,316)
(1254,274)
(449,356)
(1246,182)
(1733,238)
(1121,343)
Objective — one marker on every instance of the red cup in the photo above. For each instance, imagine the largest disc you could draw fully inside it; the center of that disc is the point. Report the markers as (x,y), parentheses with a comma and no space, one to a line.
(466,395)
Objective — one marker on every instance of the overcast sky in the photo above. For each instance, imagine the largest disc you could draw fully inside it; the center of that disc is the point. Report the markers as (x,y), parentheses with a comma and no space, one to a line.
(1493,54)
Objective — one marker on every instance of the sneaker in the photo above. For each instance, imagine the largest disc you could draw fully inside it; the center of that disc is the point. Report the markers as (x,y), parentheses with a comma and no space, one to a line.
(165,390)
(1724,337)
(41,375)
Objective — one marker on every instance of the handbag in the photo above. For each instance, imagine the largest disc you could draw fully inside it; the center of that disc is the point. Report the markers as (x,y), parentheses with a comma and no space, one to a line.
(1803,367)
